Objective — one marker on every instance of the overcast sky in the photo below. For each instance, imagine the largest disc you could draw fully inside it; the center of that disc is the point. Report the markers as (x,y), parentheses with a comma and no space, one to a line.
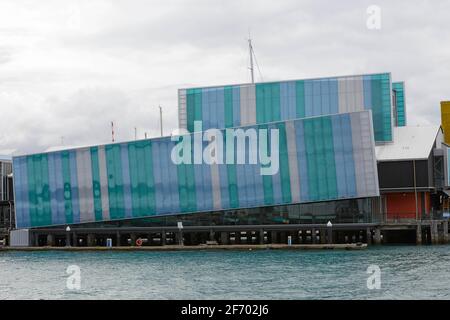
(68,68)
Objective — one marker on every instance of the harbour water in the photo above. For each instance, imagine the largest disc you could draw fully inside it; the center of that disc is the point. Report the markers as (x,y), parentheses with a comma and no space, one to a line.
(407,272)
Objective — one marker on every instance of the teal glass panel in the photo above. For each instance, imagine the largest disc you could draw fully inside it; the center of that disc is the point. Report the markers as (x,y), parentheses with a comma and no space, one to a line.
(67,187)
(115,183)
(399,89)
(228,102)
(96,189)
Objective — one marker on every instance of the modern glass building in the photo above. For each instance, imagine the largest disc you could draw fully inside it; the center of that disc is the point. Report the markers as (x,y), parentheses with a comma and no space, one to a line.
(327,170)
(341,158)
(248,104)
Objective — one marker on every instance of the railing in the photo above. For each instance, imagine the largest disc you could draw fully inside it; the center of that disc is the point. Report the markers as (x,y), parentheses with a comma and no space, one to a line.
(410,217)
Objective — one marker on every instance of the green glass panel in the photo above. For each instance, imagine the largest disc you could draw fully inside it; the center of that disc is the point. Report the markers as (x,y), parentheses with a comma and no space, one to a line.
(267,103)
(141,178)
(275,101)
(260,109)
(228,101)
(232,186)
(96,189)
(149,178)
(330,164)
(47,217)
(115,181)
(32,194)
(190,107)
(39,191)
(134,179)
(300,98)
(67,186)
(197,105)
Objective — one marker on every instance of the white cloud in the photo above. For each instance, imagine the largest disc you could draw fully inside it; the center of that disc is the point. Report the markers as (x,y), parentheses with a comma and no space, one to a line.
(69,68)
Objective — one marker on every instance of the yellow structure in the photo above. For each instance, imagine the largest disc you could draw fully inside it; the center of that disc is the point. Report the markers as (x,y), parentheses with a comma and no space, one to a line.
(445,120)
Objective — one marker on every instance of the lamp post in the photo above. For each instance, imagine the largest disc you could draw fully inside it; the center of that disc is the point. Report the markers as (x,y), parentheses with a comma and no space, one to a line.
(330,232)
(67,236)
(180,233)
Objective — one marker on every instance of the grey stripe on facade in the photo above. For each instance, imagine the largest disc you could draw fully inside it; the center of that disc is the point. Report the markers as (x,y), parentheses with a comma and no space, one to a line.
(293,165)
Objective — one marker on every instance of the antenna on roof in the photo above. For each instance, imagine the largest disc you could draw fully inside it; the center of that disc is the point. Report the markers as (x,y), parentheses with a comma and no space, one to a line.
(112,131)
(160,120)
(250,49)
(253,55)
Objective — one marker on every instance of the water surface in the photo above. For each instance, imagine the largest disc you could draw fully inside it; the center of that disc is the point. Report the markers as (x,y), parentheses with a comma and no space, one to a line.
(407,272)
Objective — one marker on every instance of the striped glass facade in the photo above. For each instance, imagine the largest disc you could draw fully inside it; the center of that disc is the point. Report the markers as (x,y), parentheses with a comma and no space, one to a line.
(400,113)
(321,158)
(248,104)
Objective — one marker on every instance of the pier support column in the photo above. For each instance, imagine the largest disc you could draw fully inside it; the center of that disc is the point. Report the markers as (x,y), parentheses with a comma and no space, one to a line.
(377,236)
(445,227)
(163,238)
(75,239)
(273,237)
(90,240)
(434,232)
(132,239)
(149,239)
(330,235)
(117,239)
(261,236)
(419,233)
(283,237)
(212,235)
(36,239)
(224,238)
(369,236)
(323,236)
(50,240)
(313,236)
(67,239)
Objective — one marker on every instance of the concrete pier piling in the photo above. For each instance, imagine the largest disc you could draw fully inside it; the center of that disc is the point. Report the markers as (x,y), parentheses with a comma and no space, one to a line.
(163,238)
(133,239)
(369,236)
(273,236)
(50,240)
(377,236)
(224,238)
(434,232)
(323,236)
(445,231)
(419,233)
(90,240)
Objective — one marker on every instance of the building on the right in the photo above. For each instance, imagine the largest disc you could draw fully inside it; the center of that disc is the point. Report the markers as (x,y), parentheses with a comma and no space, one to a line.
(412,174)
